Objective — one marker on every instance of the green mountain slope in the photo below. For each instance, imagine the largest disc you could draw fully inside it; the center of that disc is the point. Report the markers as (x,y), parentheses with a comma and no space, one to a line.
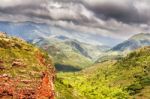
(23,70)
(91,51)
(69,54)
(136,41)
(122,49)
(126,78)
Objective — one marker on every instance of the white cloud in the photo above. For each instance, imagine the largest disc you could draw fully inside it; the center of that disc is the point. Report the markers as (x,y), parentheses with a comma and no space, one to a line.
(11,3)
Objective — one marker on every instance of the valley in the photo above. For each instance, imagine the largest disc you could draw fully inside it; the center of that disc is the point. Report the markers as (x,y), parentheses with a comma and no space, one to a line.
(122,76)
(126,78)
(87,71)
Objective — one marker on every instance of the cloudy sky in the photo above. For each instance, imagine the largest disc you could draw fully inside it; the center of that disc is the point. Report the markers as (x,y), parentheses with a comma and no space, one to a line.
(117,19)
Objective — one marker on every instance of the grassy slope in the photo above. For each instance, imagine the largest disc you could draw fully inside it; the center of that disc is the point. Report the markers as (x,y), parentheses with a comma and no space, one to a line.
(12,49)
(129,77)
(64,54)
(22,62)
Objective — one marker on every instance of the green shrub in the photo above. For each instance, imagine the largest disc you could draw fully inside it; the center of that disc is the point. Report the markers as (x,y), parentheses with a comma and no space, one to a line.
(145,81)
(134,88)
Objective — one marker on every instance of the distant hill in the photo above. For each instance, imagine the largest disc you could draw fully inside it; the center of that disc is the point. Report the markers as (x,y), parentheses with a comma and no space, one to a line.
(120,50)
(24,70)
(136,41)
(68,53)
(87,50)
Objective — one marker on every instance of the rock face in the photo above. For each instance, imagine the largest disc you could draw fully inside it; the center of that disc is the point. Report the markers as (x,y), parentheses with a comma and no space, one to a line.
(18,63)
(46,89)
(26,72)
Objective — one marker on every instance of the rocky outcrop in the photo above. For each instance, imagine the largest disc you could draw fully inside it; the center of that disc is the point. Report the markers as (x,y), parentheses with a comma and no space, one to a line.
(46,89)
(18,63)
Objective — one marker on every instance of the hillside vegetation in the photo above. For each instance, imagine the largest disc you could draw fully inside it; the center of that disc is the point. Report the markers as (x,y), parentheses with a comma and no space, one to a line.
(67,55)
(126,78)
(24,70)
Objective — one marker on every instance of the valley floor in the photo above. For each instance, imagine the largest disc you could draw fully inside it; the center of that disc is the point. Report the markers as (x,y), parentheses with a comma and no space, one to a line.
(127,78)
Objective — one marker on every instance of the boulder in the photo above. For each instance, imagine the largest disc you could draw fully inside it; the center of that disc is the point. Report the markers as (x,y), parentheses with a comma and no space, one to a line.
(18,63)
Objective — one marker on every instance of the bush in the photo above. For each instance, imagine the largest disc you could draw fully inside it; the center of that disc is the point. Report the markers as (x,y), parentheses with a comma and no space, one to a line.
(145,81)
(134,88)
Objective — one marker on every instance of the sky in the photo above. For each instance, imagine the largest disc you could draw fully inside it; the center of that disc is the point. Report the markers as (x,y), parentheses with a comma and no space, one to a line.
(118,19)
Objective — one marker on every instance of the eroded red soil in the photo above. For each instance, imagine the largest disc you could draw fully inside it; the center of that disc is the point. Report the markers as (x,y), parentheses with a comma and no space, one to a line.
(43,89)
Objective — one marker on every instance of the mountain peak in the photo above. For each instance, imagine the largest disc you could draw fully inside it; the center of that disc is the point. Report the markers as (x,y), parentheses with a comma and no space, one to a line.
(136,41)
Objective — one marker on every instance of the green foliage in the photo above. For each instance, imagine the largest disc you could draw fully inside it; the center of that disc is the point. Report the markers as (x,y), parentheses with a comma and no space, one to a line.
(134,88)
(13,49)
(145,81)
(89,88)
(65,54)
(127,77)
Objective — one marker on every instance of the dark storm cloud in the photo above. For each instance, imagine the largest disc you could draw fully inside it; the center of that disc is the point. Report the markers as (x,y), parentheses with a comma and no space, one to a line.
(127,11)
(124,11)
(104,17)
(57,10)
(107,11)
(26,9)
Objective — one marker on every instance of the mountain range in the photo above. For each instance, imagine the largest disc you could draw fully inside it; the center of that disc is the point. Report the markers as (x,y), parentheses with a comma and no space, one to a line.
(136,41)
(67,50)
(120,72)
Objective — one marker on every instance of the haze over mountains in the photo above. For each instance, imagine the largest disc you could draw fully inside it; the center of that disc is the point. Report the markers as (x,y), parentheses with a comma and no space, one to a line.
(120,50)
(136,41)
(31,30)
(66,47)
(72,49)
